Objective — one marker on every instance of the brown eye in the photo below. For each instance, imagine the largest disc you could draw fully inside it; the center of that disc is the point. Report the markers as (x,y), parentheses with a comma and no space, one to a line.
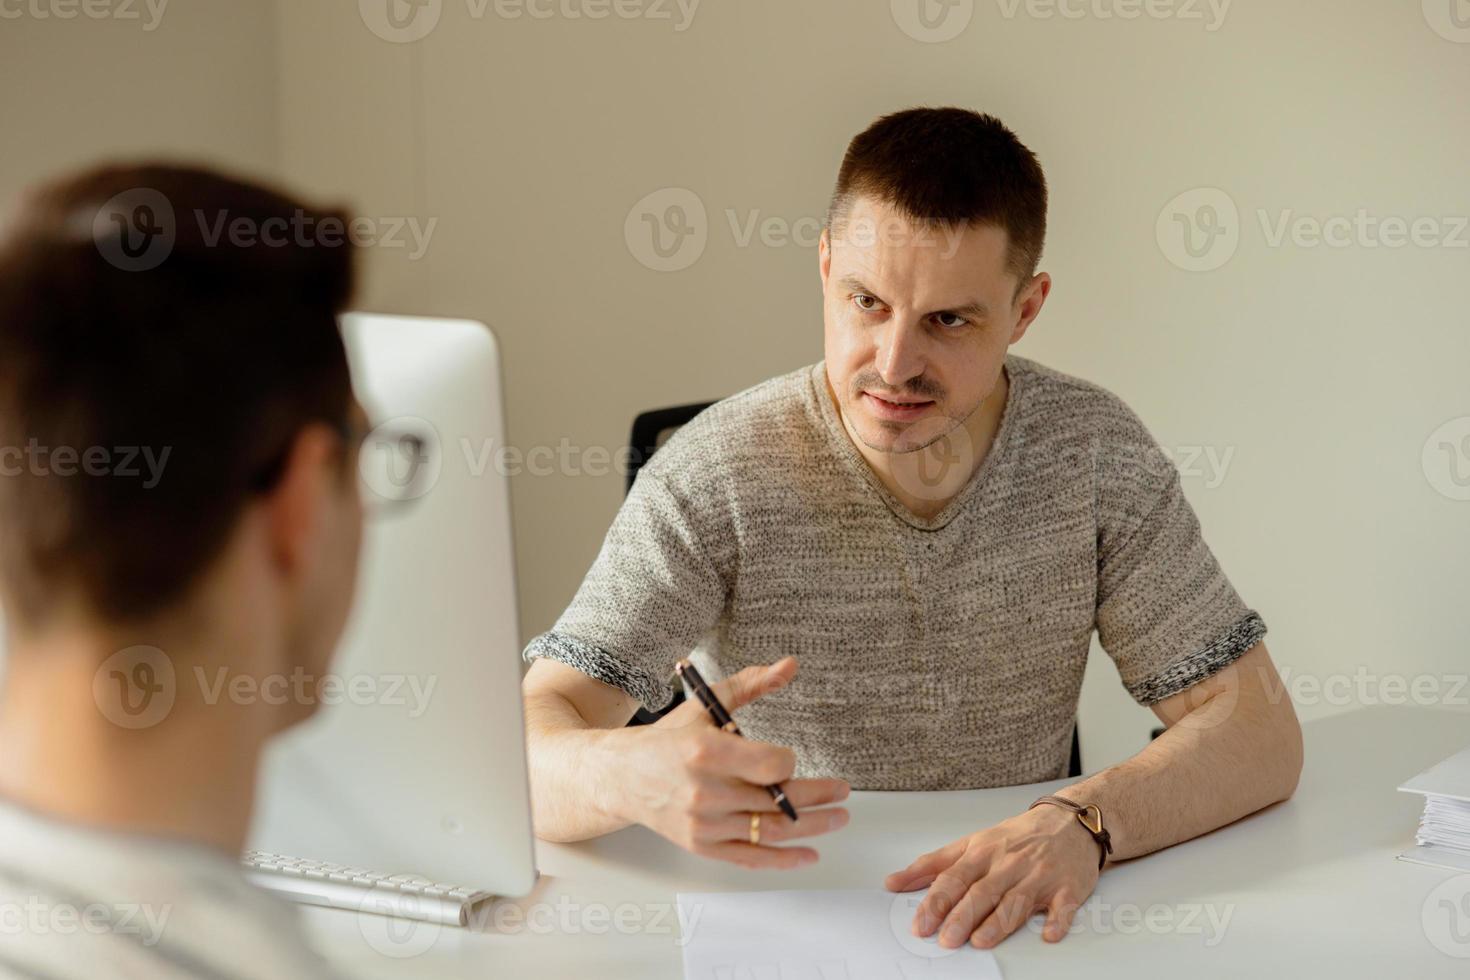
(865,302)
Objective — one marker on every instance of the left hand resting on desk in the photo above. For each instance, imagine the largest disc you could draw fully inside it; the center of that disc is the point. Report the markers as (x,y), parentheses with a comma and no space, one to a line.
(987,885)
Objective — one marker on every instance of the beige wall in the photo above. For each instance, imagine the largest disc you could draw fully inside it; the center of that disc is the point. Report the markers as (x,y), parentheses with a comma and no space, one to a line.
(1317,372)
(189,78)
(1322,371)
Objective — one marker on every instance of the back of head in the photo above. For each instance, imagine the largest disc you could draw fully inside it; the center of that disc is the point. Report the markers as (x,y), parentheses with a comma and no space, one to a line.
(164,333)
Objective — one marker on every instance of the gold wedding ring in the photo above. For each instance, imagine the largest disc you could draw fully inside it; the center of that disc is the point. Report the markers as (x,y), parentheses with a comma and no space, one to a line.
(755,828)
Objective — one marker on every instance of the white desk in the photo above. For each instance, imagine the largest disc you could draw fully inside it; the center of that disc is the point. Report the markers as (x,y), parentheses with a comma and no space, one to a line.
(1311,886)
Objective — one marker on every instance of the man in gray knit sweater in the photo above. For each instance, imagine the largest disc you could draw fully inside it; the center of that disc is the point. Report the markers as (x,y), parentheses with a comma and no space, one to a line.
(933,528)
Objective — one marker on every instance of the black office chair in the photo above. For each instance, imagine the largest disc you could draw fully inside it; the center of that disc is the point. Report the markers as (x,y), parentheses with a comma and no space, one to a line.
(650,431)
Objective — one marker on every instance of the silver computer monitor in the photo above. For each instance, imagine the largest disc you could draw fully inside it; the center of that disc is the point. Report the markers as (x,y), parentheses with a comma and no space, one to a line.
(416,763)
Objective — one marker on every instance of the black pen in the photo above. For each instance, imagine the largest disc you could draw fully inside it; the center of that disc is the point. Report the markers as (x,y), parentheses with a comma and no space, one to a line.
(717,711)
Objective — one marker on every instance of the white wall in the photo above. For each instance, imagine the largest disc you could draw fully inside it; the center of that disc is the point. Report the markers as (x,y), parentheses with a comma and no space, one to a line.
(1322,371)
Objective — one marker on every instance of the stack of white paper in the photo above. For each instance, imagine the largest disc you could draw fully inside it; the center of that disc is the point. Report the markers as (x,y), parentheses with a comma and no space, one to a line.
(1443,839)
(817,935)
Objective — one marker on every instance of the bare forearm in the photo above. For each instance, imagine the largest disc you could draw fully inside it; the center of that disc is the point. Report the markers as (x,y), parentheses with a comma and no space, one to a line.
(574,783)
(1225,759)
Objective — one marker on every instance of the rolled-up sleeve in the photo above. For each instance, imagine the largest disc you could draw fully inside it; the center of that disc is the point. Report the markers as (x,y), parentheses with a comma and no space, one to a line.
(658,585)
(1166,612)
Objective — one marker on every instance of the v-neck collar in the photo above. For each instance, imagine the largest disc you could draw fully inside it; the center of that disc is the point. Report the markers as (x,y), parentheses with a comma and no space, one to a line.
(842,442)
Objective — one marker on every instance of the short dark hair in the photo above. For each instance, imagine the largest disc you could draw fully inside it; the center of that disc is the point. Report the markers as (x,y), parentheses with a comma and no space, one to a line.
(216,349)
(950,166)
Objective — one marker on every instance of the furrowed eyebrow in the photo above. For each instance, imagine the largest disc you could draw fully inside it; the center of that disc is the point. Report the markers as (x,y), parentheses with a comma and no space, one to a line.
(972,312)
(856,285)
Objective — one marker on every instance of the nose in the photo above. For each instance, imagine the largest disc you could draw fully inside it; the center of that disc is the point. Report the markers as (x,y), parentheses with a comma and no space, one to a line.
(900,354)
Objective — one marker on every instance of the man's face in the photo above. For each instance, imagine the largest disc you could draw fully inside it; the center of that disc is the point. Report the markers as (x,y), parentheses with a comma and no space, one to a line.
(917,322)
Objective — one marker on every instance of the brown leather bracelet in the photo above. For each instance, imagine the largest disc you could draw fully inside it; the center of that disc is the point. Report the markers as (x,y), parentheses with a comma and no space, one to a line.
(1090,817)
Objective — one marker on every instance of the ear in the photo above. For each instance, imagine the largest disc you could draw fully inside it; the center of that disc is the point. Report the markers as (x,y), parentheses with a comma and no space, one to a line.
(824,257)
(297,506)
(1030,302)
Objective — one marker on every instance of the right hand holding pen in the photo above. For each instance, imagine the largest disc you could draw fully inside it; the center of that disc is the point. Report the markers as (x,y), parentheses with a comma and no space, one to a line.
(698,786)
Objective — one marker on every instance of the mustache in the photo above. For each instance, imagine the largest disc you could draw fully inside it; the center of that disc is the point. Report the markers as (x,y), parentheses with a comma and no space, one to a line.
(920,387)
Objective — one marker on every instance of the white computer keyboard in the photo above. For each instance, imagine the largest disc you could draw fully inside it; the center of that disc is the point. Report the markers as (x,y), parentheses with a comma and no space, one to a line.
(341,887)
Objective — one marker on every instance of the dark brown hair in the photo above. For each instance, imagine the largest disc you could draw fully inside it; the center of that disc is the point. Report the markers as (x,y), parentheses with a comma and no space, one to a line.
(950,166)
(138,312)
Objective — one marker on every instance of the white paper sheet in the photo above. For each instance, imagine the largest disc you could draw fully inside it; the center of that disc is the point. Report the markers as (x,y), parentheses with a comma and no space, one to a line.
(817,935)
(1450,778)
(1437,857)
(1444,830)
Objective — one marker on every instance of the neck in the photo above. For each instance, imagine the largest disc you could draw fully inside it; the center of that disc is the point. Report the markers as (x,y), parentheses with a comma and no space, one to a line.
(926,480)
(189,775)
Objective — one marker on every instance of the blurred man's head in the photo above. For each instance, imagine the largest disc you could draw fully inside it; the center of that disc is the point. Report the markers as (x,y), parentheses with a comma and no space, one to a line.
(176,417)
(928,268)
